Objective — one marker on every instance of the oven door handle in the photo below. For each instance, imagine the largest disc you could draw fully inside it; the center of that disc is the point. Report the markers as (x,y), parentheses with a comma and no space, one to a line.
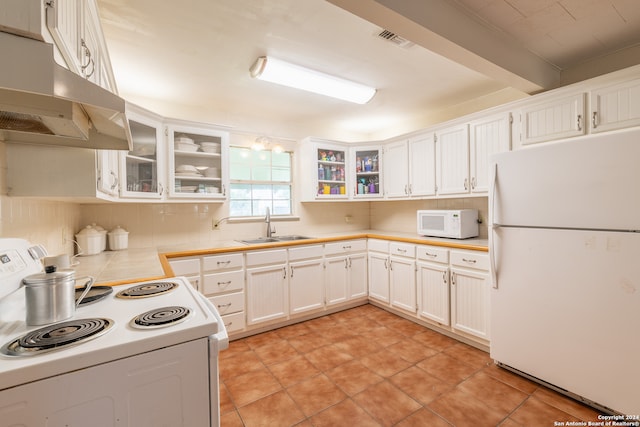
(222,338)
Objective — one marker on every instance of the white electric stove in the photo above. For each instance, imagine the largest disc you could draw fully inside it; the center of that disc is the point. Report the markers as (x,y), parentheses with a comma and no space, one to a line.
(153,358)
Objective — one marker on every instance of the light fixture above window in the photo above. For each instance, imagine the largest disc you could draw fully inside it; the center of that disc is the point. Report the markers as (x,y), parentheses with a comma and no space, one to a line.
(263,143)
(280,72)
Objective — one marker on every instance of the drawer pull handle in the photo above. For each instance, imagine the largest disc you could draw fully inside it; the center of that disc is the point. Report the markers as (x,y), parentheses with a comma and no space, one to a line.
(227,305)
(472,261)
(431,255)
(226,325)
(224,262)
(346,247)
(227,283)
(402,251)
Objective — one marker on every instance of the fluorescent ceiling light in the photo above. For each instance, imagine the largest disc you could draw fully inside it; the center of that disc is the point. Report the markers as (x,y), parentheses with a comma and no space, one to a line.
(280,72)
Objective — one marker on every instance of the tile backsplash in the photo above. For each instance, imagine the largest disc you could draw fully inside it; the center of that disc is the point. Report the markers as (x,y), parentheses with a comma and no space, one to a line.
(52,224)
(178,224)
(401,215)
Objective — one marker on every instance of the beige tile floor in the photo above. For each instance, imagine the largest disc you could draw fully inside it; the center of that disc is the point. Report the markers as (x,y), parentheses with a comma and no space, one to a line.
(367,367)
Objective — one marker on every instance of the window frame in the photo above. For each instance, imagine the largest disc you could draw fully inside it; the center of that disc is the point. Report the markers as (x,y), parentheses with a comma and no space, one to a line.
(252,182)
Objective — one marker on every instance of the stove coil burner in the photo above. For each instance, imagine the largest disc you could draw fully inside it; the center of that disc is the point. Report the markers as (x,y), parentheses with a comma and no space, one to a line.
(161,317)
(147,290)
(57,336)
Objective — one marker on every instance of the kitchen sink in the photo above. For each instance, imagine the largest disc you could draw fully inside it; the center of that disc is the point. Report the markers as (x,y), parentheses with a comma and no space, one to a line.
(290,238)
(260,240)
(275,239)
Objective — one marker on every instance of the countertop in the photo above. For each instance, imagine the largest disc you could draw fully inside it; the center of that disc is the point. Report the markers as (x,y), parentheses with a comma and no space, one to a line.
(135,265)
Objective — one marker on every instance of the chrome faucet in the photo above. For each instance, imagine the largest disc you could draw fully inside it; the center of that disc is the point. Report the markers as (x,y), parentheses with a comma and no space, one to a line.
(267,219)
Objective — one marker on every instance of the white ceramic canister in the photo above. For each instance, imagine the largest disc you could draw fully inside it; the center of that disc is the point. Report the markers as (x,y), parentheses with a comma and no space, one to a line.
(89,241)
(118,239)
(103,235)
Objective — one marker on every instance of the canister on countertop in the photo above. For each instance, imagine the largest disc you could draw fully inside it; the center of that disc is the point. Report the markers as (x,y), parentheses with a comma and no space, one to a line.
(118,239)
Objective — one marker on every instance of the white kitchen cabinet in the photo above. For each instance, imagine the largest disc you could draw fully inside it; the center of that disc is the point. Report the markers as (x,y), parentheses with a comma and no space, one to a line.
(306,279)
(470,293)
(267,286)
(197,161)
(75,28)
(452,160)
(615,106)
(142,170)
(337,279)
(402,271)
(345,271)
(108,181)
(433,284)
(553,119)
(220,278)
(357,276)
(410,167)
(324,170)
(396,173)
(422,165)
(379,270)
(224,285)
(487,136)
(366,171)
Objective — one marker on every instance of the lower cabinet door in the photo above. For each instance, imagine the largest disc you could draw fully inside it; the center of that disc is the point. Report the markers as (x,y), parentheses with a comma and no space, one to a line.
(306,286)
(357,276)
(267,296)
(433,292)
(379,277)
(470,302)
(336,279)
(403,284)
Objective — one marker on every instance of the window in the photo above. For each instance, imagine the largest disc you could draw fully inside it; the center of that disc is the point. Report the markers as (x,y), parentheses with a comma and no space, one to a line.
(259,179)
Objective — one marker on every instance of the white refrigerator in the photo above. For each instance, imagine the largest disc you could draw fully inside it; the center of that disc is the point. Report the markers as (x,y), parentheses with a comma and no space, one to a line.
(565,255)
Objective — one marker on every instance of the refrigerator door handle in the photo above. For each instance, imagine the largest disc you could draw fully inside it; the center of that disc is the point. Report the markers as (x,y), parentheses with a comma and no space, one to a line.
(493,227)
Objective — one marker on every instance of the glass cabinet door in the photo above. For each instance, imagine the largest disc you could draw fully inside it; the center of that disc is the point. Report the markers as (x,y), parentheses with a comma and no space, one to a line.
(140,169)
(331,170)
(367,169)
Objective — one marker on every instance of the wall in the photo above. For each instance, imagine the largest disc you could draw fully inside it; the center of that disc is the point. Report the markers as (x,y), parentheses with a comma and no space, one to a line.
(400,216)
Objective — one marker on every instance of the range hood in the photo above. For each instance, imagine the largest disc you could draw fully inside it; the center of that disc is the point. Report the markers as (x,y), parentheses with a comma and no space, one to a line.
(42,102)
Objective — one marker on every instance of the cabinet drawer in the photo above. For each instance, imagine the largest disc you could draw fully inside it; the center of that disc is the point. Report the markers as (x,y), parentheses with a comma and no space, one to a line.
(223,282)
(378,245)
(221,262)
(345,247)
(278,256)
(305,252)
(478,260)
(185,267)
(402,249)
(432,253)
(229,303)
(234,322)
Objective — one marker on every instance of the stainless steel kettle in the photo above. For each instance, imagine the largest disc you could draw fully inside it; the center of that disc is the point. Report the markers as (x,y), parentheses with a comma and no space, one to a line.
(50,296)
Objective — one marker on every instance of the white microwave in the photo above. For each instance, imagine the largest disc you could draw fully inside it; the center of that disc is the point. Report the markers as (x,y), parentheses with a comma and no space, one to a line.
(455,224)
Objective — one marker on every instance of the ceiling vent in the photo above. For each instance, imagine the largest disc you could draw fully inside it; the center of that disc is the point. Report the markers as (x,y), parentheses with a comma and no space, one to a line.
(395,39)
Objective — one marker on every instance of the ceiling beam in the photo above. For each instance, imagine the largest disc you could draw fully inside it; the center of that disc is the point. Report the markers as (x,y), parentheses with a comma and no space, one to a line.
(443,28)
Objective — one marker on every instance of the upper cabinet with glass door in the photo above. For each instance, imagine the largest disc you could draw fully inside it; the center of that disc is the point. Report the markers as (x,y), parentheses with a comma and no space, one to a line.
(367,170)
(142,169)
(328,179)
(197,162)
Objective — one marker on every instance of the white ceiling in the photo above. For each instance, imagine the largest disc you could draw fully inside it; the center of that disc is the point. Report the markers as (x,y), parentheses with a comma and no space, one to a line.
(191,60)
